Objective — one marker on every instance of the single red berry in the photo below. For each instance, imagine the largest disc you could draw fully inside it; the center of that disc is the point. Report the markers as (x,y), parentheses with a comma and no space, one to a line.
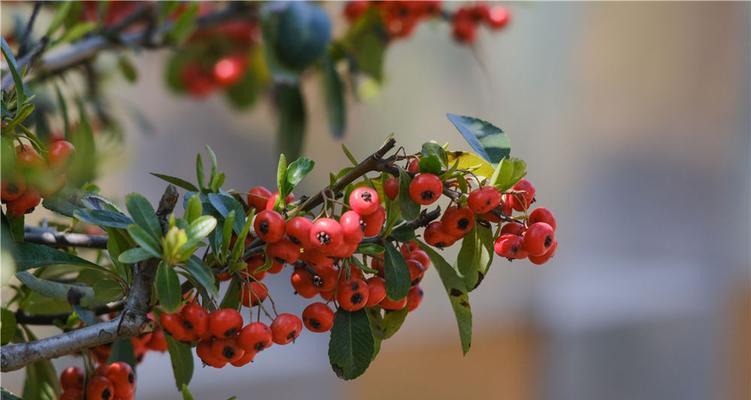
(354,9)
(318,317)
(376,291)
(521,201)
(24,204)
(325,278)
(326,234)
(255,337)
(198,82)
(195,320)
(408,247)
(538,238)
(276,267)
(173,324)
(364,200)
(497,17)
(483,200)
(59,153)
(258,197)
(269,226)
(99,388)
(27,157)
(315,257)
(435,235)
(253,293)
(414,165)
(425,189)
(157,342)
(285,328)
(374,222)
(377,264)
(328,295)
(464,30)
(352,227)
(120,374)
(205,353)
(391,188)
(272,200)
(71,378)
(514,228)
(283,251)
(302,282)
(510,246)
(354,273)
(539,260)
(421,257)
(414,298)
(227,349)
(12,189)
(542,214)
(352,294)
(458,221)
(229,70)
(225,323)
(71,394)
(247,357)
(253,264)
(416,271)
(393,305)
(298,231)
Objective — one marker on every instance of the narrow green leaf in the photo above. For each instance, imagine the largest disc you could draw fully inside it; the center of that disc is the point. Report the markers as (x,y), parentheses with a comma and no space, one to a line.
(146,241)
(336,106)
(59,18)
(239,248)
(370,249)
(291,120)
(13,67)
(127,68)
(201,273)
(179,182)
(7,326)
(76,32)
(409,209)
(403,233)
(182,361)
(349,155)
(475,255)
(186,393)
(296,171)
(194,208)
(200,174)
(201,227)
(32,255)
(122,350)
(104,218)
(182,28)
(168,288)
(143,214)
(396,272)
(223,204)
(281,175)
(351,345)
(232,296)
(56,290)
(134,255)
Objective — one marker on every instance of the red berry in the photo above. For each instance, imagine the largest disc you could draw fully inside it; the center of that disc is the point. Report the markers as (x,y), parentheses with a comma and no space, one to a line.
(59,153)
(374,222)
(225,323)
(120,374)
(258,197)
(326,234)
(255,337)
(354,9)
(253,293)
(421,257)
(514,228)
(521,201)
(27,157)
(393,305)
(99,388)
(435,235)
(416,271)
(302,281)
(157,342)
(71,378)
(326,277)
(458,221)
(425,189)
(229,70)
(542,214)
(414,166)
(283,251)
(364,200)
(484,199)
(318,317)
(376,290)
(253,264)
(352,294)
(227,350)
(497,17)
(12,189)
(298,231)
(285,328)
(24,204)
(272,200)
(391,188)
(538,238)
(247,357)
(464,30)
(197,81)
(205,353)
(510,246)
(173,324)
(414,298)
(269,226)
(315,257)
(538,260)
(352,227)
(71,394)
(196,320)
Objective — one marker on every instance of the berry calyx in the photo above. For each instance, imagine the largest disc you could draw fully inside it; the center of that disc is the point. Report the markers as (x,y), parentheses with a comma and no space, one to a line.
(539,260)
(99,388)
(326,234)
(364,200)
(227,350)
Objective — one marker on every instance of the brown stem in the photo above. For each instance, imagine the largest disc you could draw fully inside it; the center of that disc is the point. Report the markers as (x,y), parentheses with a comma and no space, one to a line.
(53,238)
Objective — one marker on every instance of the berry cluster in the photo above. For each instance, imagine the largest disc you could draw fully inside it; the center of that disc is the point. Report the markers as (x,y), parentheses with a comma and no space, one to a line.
(115,381)
(35,176)
(466,19)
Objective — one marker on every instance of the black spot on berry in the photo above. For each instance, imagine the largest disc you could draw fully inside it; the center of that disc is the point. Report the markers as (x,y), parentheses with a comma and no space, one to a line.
(315,324)
(294,240)
(366,197)
(230,332)
(317,281)
(427,195)
(228,352)
(356,298)
(188,325)
(292,335)
(548,241)
(131,378)
(260,346)
(323,238)
(463,223)
(264,226)
(106,394)
(354,285)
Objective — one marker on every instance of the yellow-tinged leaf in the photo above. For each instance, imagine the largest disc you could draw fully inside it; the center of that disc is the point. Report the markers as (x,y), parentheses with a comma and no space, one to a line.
(471,162)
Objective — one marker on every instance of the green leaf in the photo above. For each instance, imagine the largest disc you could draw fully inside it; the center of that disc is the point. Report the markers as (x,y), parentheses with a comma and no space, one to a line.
(403,233)
(134,255)
(366,43)
(143,214)
(32,255)
(296,171)
(76,32)
(201,227)
(232,296)
(200,174)
(392,321)
(349,155)
(59,18)
(351,345)
(336,106)
(457,292)
(127,68)
(239,248)
(7,326)
(194,208)
(508,172)
(13,67)
(182,361)
(281,175)
(168,288)
(223,204)
(122,350)
(396,272)
(55,290)
(434,149)
(201,273)
(489,141)
(41,380)
(183,28)
(370,249)
(146,241)
(104,218)
(186,393)
(430,164)
(475,255)
(409,209)
(179,182)
(292,117)
(106,287)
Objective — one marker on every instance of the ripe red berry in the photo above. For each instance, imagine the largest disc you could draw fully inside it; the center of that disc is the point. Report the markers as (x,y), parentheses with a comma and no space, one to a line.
(253,264)
(354,9)
(247,357)
(258,197)
(376,290)
(225,323)
(27,157)
(269,226)
(542,214)
(497,17)
(12,189)
(484,199)
(315,257)
(421,257)
(325,278)
(514,228)
(227,349)
(414,165)
(391,188)
(120,374)
(464,30)
(255,337)
(416,271)
(538,238)
(205,353)
(352,227)
(298,231)
(173,324)
(157,341)
(100,388)
(229,70)
(283,251)
(285,328)
(272,200)
(326,234)
(414,298)
(318,317)
(510,246)
(425,189)
(197,81)
(59,153)
(435,235)
(352,294)
(71,378)
(393,305)
(374,222)
(253,293)
(24,204)
(71,394)
(521,201)
(364,200)
(538,260)
(458,221)
(195,320)
(302,281)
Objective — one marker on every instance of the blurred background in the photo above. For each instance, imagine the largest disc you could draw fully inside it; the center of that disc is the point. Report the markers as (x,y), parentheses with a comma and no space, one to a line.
(634,121)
